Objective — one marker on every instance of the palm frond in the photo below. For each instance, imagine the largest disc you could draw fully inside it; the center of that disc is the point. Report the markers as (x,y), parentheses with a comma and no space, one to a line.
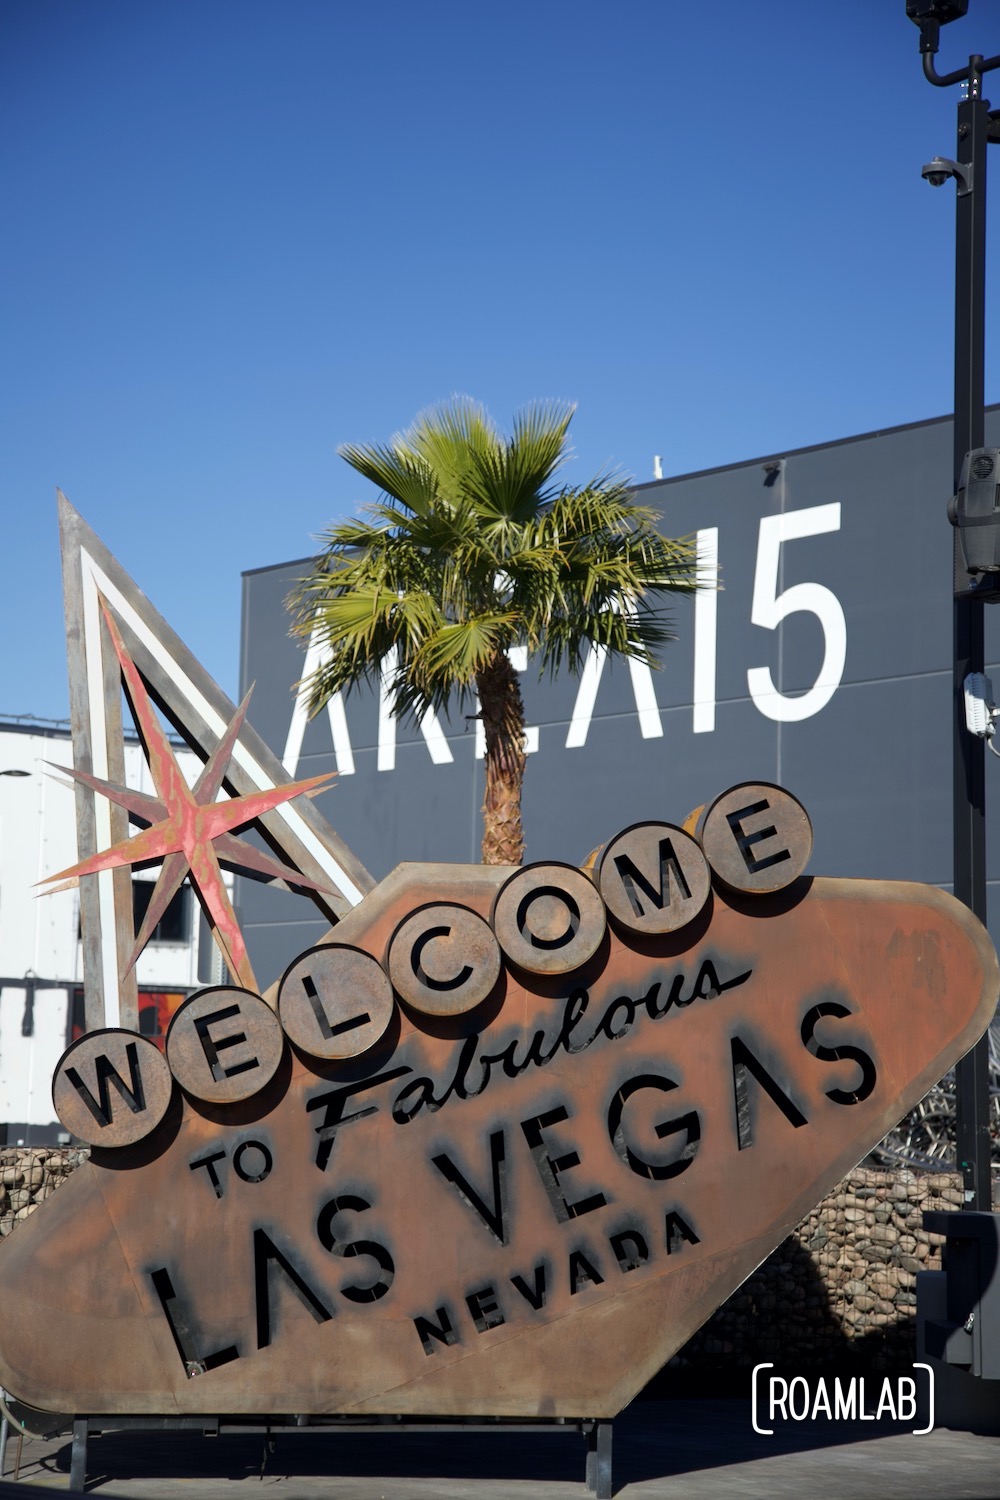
(454,441)
(458,650)
(471,548)
(515,478)
(397,472)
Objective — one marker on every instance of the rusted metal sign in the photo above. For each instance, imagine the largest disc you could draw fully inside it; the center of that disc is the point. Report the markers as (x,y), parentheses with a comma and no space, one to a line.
(501,1146)
(501,1143)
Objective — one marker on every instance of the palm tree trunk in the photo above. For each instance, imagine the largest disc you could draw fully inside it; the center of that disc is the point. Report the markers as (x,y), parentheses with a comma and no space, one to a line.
(503,721)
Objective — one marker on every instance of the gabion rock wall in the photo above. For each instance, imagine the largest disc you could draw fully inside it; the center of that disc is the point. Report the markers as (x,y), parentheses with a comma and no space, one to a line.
(28,1177)
(841,1287)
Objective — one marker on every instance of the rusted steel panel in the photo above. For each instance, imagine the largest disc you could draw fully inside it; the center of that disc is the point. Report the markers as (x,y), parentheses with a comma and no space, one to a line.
(519,1209)
(502,1143)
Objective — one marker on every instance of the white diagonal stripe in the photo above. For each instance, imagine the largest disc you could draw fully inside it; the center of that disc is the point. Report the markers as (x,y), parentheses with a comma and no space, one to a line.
(98,580)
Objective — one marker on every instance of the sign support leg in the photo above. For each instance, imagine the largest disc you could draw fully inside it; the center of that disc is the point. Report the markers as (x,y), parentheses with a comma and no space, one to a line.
(78,1461)
(599,1460)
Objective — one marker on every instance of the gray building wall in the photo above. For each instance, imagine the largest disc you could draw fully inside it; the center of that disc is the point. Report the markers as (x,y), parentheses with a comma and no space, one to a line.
(871,762)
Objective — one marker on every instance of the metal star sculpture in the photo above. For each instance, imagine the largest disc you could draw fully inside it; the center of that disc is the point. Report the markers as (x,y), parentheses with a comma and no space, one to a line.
(188,829)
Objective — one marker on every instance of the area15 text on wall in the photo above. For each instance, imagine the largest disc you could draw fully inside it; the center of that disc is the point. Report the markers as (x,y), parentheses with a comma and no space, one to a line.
(770,606)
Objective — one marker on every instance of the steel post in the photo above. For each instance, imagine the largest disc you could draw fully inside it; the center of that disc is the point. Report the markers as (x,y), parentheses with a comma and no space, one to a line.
(969,785)
(78,1456)
(599,1479)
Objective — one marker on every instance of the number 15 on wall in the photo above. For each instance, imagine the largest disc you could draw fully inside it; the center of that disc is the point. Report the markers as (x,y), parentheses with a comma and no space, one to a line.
(771,605)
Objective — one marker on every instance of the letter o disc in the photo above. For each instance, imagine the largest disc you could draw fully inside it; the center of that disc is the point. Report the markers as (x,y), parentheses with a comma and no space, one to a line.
(97,1109)
(224,1044)
(335,1001)
(757,837)
(443,959)
(654,878)
(549,918)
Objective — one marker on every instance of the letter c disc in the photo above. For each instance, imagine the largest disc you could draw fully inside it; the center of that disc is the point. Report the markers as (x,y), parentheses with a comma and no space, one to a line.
(443,959)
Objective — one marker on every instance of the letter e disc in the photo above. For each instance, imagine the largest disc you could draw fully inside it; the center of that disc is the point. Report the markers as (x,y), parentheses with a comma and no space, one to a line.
(757,837)
(443,959)
(549,918)
(335,1001)
(111,1088)
(224,1044)
(654,878)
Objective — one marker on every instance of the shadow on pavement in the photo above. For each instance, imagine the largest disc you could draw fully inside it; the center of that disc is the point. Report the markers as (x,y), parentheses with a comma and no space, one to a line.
(652,1440)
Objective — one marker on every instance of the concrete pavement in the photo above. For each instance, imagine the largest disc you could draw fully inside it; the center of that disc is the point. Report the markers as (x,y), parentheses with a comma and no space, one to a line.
(663,1450)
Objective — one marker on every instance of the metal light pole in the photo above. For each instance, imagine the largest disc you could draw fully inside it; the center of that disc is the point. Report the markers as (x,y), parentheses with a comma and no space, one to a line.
(972,1096)
(976,127)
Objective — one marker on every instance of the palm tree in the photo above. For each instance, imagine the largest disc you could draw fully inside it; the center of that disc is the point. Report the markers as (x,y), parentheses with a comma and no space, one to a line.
(470,550)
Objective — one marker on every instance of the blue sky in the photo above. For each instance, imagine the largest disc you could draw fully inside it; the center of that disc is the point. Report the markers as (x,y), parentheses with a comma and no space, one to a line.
(238,233)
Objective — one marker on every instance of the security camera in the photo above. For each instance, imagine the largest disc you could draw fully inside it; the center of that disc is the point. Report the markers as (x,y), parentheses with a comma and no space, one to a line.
(981,713)
(941,11)
(938,171)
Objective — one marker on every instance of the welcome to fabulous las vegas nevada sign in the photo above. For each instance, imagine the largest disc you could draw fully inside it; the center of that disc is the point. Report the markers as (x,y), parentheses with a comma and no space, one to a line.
(502,1141)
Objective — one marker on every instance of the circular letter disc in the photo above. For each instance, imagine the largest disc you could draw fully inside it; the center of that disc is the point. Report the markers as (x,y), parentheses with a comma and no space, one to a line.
(335,1001)
(654,878)
(443,959)
(549,919)
(224,1044)
(111,1088)
(757,837)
